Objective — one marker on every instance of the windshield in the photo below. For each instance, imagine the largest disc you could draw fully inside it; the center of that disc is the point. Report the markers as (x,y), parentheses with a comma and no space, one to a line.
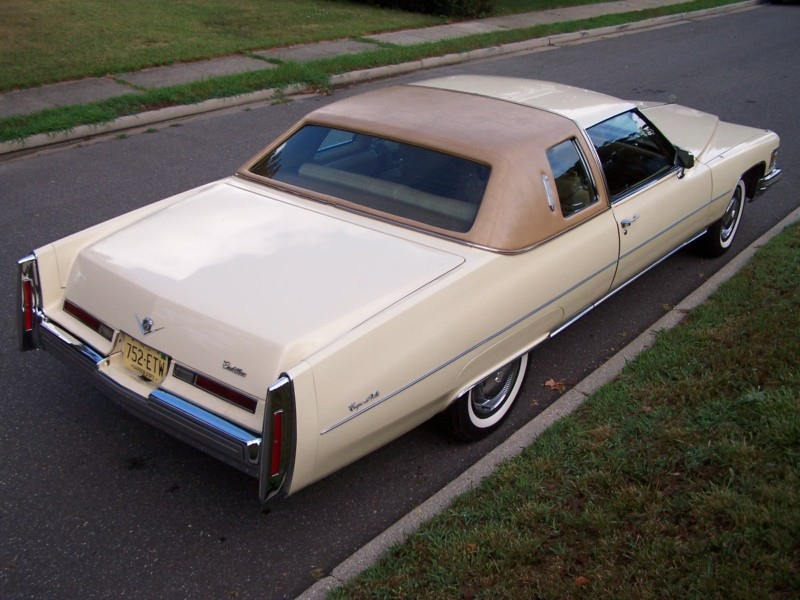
(434,188)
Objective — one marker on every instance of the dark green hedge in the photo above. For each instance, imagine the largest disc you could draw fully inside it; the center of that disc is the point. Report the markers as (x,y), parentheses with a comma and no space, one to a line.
(447,8)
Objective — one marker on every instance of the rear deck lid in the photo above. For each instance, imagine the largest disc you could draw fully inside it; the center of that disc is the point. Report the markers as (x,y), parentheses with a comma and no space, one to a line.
(259,281)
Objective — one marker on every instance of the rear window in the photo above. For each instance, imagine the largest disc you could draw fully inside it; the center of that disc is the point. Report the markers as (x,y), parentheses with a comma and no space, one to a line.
(400,179)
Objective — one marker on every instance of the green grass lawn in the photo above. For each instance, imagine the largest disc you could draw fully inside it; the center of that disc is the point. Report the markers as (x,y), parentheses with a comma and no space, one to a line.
(681,479)
(56,40)
(314,75)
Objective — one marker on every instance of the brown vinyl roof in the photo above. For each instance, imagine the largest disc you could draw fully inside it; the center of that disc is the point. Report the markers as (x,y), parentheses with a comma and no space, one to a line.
(509,137)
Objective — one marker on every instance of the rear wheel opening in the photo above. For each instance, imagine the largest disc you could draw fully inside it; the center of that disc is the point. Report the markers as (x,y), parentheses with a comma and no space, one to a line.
(482,409)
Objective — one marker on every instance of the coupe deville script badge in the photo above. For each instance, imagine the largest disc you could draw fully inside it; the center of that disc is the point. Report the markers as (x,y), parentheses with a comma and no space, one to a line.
(359,405)
(146,325)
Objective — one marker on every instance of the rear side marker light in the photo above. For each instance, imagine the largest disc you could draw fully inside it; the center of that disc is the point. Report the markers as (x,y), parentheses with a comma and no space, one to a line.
(215,388)
(89,320)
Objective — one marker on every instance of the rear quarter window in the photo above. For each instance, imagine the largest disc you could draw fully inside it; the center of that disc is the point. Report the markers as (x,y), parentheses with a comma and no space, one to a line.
(573,185)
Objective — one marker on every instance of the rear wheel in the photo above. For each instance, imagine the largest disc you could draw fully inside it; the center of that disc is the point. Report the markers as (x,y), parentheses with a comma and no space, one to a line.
(483,408)
(719,236)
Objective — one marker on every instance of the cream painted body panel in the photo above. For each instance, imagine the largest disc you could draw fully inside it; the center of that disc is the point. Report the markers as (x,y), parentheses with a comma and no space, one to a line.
(733,150)
(408,363)
(233,274)
(662,216)
(727,149)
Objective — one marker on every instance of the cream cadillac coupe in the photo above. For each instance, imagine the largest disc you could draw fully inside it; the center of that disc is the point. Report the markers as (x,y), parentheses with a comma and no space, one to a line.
(393,256)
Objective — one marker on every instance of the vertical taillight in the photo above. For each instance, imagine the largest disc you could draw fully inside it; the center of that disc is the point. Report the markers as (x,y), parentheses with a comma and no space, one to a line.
(27,305)
(277,440)
(29,299)
(277,443)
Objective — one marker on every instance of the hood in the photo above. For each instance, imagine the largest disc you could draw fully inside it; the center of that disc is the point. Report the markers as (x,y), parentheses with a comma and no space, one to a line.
(233,274)
(685,127)
(702,134)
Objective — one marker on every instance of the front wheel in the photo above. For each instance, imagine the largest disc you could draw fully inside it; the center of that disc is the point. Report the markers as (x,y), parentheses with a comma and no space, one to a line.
(719,236)
(483,408)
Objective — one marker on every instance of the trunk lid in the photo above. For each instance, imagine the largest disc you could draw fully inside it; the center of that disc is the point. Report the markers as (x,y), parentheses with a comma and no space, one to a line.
(237,281)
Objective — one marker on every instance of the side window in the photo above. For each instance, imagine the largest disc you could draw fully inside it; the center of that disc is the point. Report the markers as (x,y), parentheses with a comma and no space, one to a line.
(573,184)
(631,151)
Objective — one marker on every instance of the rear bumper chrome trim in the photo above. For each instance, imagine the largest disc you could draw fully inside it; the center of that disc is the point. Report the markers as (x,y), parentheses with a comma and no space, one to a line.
(180,418)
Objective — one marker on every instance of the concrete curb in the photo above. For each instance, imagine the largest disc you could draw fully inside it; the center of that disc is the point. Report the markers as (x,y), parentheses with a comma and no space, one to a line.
(524,437)
(155,117)
(144,119)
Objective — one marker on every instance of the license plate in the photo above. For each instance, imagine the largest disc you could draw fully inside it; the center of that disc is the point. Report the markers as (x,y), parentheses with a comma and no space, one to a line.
(144,360)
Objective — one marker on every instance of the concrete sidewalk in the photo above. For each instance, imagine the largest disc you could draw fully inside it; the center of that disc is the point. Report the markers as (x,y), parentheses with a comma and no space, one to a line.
(24,102)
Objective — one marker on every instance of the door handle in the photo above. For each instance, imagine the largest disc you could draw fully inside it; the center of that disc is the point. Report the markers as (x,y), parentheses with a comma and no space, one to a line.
(627,222)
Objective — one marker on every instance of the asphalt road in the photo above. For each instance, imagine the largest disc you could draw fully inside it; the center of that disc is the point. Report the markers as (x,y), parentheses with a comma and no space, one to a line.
(95,504)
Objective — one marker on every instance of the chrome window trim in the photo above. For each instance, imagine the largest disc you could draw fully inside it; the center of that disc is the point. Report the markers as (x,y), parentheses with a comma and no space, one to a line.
(288,188)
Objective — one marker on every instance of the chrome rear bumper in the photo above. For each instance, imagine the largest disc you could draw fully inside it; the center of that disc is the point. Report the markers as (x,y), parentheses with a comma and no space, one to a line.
(271,462)
(184,420)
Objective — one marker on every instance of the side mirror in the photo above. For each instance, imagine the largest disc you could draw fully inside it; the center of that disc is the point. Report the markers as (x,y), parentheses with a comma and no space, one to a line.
(684,158)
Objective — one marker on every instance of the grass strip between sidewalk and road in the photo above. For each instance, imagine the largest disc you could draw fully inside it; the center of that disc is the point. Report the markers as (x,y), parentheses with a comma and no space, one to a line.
(679,479)
(56,40)
(315,75)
